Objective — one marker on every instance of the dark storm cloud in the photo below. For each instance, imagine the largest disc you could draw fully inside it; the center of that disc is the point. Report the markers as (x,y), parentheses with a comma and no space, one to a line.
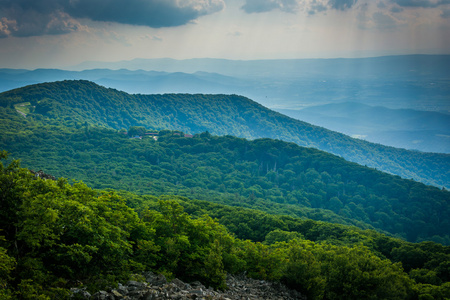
(152,13)
(28,18)
(38,17)
(420,3)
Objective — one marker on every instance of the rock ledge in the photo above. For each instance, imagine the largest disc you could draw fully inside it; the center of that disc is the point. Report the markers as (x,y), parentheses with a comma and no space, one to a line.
(157,287)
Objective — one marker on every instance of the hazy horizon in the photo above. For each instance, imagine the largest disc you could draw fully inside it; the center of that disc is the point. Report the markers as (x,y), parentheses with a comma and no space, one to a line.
(59,34)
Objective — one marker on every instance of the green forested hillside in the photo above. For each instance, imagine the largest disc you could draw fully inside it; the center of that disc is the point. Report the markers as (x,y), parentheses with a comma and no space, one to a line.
(270,175)
(82,101)
(268,208)
(56,235)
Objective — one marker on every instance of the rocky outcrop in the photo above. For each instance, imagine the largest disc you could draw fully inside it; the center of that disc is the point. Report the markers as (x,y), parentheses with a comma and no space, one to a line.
(157,287)
(42,175)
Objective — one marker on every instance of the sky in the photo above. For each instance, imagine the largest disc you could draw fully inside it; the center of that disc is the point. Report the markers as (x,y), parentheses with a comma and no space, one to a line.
(63,33)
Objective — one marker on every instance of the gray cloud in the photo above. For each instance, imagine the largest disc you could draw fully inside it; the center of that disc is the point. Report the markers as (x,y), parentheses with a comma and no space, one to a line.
(445,14)
(396,9)
(316,7)
(17,18)
(341,4)
(312,7)
(38,17)
(6,27)
(152,13)
(420,3)
(259,6)
(384,21)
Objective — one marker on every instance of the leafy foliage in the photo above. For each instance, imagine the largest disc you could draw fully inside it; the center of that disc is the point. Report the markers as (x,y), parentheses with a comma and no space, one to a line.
(64,234)
(265,174)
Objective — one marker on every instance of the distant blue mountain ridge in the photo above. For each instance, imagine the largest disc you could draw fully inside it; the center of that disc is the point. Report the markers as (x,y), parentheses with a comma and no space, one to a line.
(402,101)
(418,82)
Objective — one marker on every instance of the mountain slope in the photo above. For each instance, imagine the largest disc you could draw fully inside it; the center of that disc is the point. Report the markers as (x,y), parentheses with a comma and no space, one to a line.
(83,101)
(269,175)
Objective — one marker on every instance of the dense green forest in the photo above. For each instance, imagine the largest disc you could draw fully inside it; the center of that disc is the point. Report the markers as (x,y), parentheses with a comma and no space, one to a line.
(83,101)
(269,175)
(197,207)
(55,235)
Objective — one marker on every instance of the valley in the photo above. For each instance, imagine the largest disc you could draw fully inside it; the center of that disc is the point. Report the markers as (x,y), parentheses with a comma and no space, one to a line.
(400,128)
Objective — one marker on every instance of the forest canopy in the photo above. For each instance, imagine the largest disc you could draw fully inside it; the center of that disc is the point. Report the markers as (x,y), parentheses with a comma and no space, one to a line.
(56,233)
(152,187)
(270,175)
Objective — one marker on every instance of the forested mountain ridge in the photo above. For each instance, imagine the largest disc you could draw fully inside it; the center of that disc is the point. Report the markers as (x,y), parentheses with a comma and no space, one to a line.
(83,101)
(270,175)
(54,235)
(57,235)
